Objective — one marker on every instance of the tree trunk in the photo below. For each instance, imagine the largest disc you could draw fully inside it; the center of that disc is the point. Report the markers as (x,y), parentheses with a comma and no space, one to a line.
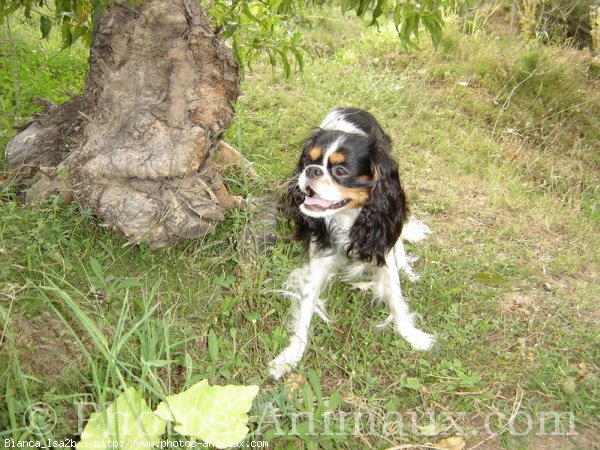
(137,145)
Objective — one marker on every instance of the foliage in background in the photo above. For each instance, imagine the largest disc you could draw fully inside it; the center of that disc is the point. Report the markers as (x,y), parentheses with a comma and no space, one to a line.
(252,26)
(32,69)
(74,18)
(596,26)
(558,21)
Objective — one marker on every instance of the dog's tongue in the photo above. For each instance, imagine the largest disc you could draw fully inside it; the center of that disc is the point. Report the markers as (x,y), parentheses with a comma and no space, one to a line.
(317,201)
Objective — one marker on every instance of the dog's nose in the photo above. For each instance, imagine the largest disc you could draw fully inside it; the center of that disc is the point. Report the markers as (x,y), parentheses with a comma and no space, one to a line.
(313,172)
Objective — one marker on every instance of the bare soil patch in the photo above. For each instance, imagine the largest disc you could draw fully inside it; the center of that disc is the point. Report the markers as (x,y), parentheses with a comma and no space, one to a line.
(46,348)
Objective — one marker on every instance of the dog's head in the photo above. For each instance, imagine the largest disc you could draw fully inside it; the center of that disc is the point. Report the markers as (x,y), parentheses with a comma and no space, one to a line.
(346,164)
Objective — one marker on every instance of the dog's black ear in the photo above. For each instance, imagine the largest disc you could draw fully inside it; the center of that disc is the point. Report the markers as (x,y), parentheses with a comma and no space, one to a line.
(379,224)
(306,228)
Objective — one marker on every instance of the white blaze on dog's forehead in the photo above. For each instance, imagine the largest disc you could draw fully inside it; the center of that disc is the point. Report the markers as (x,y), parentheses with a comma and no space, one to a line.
(332,148)
(336,121)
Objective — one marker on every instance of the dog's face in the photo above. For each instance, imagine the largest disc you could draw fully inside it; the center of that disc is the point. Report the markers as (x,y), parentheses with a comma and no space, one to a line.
(335,173)
(347,164)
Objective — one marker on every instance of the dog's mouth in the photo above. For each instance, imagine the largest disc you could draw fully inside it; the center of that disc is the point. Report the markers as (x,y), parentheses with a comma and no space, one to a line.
(313,202)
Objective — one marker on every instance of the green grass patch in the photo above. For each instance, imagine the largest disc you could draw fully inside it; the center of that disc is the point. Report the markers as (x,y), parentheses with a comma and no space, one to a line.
(32,68)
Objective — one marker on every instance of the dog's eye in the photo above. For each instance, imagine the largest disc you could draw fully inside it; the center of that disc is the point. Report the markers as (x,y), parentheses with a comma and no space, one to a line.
(339,171)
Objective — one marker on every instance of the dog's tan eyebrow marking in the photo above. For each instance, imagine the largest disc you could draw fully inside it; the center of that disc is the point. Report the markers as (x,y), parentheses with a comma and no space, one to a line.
(315,153)
(338,157)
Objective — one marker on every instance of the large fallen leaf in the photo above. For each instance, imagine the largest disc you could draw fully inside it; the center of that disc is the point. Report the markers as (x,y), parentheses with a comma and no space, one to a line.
(493,279)
(215,414)
(433,429)
(128,421)
(451,443)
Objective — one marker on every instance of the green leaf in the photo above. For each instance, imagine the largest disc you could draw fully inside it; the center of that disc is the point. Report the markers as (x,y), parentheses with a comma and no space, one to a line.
(252,316)
(67,37)
(348,5)
(45,26)
(378,11)
(224,281)
(271,56)
(397,17)
(215,414)
(97,269)
(431,429)
(315,384)
(307,397)
(413,25)
(412,383)
(299,59)
(213,346)
(433,26)
(246,10)
(227,304)
(157,362)
(97,12)
(490,278)
(128,419)
(363,5)
(287,71)
(335,400)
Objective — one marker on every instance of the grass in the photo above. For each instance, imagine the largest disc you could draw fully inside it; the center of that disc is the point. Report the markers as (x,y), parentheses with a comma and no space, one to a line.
(497,144)
(33,68)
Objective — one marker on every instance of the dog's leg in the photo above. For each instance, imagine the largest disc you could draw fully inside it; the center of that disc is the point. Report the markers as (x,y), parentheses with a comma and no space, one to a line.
(315,274)
(403,262)
(400,315)
(414,231)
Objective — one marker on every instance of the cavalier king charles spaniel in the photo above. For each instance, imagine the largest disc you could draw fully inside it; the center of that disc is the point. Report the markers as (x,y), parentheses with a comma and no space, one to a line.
(347,202)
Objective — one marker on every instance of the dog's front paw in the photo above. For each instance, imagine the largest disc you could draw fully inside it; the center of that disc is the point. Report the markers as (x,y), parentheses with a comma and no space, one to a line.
(412,277)
(283,364)
(287,359)
(415,231)
(419,340)
(278,370)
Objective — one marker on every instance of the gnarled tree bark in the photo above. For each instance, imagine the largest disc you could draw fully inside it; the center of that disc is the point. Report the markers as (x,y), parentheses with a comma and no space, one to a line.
(137,145)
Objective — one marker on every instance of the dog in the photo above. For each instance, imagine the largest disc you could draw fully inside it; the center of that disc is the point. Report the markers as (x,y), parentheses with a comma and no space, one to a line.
(346,200)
